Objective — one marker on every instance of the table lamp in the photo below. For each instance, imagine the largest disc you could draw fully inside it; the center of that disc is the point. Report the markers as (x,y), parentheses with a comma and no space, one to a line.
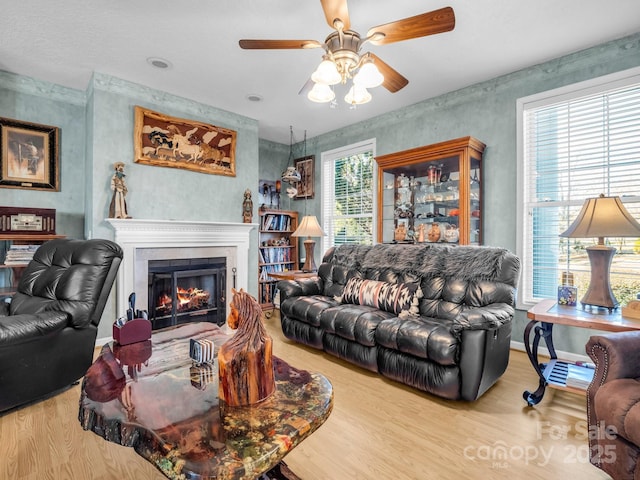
(309,227)
(602,217)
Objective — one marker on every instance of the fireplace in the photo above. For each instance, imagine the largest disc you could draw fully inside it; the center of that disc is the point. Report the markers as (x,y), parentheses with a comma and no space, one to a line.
(185,243)
(186,290)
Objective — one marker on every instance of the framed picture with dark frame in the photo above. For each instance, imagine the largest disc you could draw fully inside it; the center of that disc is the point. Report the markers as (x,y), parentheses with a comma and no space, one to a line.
(305,167)
(29,155)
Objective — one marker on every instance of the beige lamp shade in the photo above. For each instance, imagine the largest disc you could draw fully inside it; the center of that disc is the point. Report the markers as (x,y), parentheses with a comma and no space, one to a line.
(309,227)
(603,217)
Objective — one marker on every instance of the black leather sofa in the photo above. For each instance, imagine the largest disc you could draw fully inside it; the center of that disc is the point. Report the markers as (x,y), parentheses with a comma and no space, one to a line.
(48,331)
(435,317)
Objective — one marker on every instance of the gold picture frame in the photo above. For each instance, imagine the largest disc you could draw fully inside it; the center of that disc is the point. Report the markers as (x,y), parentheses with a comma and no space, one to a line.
(29,155)
(173,142)
(305,167)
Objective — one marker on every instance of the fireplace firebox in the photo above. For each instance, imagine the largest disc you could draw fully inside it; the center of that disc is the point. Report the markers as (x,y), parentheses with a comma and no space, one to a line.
(187,290)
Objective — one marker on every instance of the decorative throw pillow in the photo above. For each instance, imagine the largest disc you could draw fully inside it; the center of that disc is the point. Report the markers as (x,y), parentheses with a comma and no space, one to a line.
(399,298)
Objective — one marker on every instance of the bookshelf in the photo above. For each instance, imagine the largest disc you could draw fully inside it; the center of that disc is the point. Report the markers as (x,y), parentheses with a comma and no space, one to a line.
(11,269)
(277,251)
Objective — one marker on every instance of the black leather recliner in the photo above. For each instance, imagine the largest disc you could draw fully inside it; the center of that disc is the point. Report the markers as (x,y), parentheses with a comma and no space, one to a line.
(48,331)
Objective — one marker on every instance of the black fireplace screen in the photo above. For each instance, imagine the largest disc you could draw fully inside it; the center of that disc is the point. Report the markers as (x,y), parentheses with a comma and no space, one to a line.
(187,290)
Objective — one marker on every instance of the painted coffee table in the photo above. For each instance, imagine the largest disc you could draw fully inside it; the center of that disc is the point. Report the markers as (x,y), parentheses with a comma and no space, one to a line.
(151,397)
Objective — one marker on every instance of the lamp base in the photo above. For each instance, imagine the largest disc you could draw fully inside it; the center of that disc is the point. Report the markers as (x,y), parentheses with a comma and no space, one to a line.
(599,293)
(309,263)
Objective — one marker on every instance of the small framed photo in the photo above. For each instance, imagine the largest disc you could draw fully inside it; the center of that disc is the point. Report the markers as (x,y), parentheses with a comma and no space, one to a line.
(567,295)
(28,155)
(305,167)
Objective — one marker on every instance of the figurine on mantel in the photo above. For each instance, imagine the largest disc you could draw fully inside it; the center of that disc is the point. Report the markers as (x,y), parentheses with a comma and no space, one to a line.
(247,207)
(118,206)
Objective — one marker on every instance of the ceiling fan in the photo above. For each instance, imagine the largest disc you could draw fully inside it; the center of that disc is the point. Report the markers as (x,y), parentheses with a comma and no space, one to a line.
(343,59)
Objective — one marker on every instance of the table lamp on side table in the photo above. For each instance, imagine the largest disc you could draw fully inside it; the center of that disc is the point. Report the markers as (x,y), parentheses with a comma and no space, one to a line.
(602,217)
(309,227)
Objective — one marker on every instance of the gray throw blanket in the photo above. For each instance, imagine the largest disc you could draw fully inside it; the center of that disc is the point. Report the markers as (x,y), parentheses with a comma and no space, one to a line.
(424,259)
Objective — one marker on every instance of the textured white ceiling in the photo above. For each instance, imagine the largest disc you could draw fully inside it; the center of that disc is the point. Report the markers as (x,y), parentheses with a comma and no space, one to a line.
(64,42)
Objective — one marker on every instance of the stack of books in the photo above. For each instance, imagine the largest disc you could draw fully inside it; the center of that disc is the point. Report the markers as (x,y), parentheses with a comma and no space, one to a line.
(580,376)
(20,254)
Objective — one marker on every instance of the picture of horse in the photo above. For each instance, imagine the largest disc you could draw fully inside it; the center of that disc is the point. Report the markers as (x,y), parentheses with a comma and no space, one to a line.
(179,143)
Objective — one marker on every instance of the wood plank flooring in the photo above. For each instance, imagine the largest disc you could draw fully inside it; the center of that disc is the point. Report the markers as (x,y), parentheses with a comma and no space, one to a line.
(378,430)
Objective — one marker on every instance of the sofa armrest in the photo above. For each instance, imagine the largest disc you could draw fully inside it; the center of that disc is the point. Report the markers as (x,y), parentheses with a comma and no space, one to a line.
(299,288)
(616,355)
(23,328)
(483,318)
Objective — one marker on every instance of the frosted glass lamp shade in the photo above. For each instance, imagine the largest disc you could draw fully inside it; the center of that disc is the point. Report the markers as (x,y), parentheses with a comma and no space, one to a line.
(357,95)
(321,93)
(368,76)
(326,73)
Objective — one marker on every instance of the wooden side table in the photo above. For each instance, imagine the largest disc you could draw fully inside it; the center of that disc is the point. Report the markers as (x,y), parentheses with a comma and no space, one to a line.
(292,275)
(287,275)
(542,318)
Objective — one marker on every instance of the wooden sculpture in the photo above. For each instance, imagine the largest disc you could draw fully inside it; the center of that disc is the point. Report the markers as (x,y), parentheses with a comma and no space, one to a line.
(245,360)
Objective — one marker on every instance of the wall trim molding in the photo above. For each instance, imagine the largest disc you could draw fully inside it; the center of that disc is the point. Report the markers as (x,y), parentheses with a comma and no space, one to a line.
(39,88)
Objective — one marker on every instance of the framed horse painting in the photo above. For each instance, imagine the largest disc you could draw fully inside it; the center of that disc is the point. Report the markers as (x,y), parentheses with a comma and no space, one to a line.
(179,143)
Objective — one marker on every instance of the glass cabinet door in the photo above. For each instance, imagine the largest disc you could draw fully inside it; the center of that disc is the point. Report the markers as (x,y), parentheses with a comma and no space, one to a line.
(432,194)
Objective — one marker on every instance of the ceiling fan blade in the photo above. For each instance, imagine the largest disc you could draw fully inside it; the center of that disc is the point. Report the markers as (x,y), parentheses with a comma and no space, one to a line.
(278,44)
(430,23)
(306,88)
(336,9)
(393,81)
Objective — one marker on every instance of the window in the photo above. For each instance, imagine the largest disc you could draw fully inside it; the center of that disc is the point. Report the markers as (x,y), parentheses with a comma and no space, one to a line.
(347,194)
(575,143)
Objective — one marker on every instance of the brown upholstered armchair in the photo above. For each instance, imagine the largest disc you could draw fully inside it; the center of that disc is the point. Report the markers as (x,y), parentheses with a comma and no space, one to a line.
(613,404)
(48,331)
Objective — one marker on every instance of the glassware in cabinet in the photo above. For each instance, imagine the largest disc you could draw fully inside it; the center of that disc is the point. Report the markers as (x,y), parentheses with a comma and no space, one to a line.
(432,194)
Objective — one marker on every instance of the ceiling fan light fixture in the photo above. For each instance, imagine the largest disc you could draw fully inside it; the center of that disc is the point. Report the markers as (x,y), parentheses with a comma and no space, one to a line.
(368,76)
(326,73)
(321,93)
(357,95)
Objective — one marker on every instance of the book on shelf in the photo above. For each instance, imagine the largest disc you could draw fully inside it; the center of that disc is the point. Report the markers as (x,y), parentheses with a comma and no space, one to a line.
(267,269)
(276,222)
(579,376)
(20,254)
(274,254)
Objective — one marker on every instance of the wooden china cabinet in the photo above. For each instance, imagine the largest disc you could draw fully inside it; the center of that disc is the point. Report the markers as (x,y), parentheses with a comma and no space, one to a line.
(433,193)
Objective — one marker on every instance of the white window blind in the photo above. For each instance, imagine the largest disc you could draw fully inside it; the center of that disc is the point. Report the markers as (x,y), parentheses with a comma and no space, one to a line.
(575,146)
(348,194)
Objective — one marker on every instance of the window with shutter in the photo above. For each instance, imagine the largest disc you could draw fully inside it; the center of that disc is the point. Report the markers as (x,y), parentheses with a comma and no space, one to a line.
(347,194)
(575,143)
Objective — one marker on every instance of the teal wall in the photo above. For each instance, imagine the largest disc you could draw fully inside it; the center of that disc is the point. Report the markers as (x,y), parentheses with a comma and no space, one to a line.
(97,130)
(29,100)
(486,111)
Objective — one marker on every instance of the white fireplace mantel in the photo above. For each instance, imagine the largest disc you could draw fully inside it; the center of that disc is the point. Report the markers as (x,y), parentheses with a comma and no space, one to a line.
(137,236)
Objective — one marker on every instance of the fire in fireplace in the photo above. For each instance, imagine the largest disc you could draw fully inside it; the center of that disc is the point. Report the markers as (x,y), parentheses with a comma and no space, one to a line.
(187,290)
